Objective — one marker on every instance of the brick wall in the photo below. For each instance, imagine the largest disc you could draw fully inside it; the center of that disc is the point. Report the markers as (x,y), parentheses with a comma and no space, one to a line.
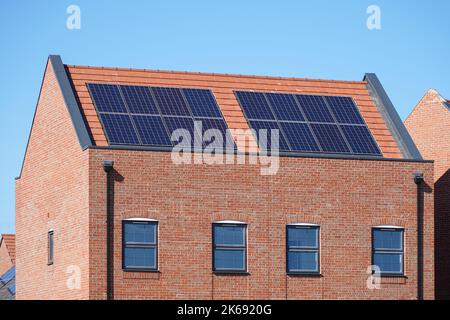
(429,126)
(52,193)
(5,259)
(346,197)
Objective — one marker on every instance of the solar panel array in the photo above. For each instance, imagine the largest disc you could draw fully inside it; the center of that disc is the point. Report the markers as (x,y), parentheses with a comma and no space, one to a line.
(148,116)
(308,123)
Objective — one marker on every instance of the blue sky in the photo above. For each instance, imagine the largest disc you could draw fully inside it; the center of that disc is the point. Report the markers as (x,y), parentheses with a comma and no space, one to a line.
(317,39)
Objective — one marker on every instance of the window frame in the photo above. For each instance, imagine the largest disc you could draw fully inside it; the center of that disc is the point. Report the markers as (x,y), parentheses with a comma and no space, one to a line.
(303,249)
(229,247)
(390,251)
(141,245)
(50,247)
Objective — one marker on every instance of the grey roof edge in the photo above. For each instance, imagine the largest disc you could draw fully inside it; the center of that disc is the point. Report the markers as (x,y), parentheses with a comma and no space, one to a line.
(71,104)
(391,117)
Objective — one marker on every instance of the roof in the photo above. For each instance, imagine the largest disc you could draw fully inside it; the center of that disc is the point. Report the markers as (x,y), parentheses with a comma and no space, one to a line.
(371,99)
(10,242)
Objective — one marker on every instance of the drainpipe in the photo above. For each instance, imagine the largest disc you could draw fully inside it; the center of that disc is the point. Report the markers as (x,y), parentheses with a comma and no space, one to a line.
(418,180)
(108,166)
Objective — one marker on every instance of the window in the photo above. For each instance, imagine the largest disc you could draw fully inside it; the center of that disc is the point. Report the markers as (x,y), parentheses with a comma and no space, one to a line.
(140,245)
(229,247)
(50,250)
(302,249)
(387,250)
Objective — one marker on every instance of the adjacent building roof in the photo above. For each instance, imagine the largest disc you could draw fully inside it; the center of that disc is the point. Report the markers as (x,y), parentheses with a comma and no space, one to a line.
(10,242)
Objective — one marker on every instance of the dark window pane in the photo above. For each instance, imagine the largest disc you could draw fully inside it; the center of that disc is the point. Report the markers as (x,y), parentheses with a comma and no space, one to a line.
(303,261)
(107,98)
(285,107)
(225,259)
(330,138)
(388,262)
(300,137)
(255,105)
(229,235)
(170,101)
(119,129)
(345,110)
(303,237)
(387,239)
(140,257)
(151,130)
(315,108)
(139,99)
(202,103)
(140,233)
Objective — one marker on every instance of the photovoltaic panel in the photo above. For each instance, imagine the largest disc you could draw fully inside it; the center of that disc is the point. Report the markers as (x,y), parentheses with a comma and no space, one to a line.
(170,101)
(174,123)
(151,130)
(139,100)
(107,98)
(285,107)
(8,276)
(269,126)
(299,136)
(345,110)
(202,103)
(330,138)
(315,108)
(221,126)
(360,140)
(256,106)
(119,128)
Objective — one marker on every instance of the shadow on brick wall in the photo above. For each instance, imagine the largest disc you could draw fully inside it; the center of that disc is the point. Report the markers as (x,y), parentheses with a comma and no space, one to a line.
(442,236)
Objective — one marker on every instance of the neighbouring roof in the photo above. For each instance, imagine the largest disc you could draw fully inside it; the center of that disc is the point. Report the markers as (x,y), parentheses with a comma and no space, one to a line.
(8,285)
(10,242)
(372,101)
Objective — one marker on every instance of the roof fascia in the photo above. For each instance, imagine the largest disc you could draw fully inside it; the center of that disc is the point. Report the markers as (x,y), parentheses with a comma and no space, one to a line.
(393,121)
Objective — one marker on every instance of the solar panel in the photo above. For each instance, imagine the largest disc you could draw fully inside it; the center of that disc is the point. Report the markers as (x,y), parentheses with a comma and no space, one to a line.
(220,125)
(265,142)
(285,107)
(12,289)
(202,103)
(309,123)
(119,128)
(151,130)
(139,115)
(8,276)
(315,108)
(139,100)
(170,101)
(330,138)
(345,110)
(299,136)
(360,140)
(256,106)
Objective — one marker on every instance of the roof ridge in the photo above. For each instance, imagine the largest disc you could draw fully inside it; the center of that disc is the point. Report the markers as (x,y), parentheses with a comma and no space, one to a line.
(216,74)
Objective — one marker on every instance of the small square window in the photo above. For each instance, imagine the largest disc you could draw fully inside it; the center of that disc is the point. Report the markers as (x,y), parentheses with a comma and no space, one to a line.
(388,250)
(302,249)
(229,248)
(140,246)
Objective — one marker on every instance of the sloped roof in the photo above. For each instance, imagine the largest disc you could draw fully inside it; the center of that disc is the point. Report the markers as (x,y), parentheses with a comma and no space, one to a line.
(10,242)
(8,285)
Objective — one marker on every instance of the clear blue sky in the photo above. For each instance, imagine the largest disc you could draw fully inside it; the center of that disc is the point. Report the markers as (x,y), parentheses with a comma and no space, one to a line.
(318,39)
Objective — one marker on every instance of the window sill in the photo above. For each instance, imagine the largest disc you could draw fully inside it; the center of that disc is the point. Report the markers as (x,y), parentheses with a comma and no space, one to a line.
(142,270)
(393,275)
(230,272)
(305,274)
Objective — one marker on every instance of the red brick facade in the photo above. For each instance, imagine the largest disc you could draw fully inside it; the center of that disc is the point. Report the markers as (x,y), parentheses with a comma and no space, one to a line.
(64,189)
(429,126)
(7,252)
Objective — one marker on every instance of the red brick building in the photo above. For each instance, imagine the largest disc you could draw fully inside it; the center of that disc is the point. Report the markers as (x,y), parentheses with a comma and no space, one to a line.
(218,231)
(7,252)
(429,126)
